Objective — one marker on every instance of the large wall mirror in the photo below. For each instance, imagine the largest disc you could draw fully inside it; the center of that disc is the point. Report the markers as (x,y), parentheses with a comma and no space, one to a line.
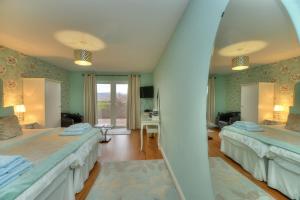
(1,92)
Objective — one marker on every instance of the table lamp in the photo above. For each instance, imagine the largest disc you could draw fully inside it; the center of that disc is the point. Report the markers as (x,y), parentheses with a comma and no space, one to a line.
(20,110)
(277,110)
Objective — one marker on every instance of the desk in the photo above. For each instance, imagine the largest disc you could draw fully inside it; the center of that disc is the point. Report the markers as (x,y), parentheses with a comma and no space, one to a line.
(149,121)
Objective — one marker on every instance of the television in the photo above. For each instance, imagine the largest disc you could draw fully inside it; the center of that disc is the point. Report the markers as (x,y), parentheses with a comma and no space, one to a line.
(146,92)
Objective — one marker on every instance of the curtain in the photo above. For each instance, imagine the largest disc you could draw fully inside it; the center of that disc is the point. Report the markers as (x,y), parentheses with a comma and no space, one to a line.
(133,102)
(90,99)
(211,100)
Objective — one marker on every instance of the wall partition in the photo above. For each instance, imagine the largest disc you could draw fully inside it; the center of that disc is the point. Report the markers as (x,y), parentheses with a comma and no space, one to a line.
(181,78)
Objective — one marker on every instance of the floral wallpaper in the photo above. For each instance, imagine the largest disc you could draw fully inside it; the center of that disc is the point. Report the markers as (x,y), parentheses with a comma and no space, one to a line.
(284,74)
(15,65)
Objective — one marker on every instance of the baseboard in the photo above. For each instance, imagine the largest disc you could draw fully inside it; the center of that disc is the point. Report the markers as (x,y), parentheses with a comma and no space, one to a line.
(178,188)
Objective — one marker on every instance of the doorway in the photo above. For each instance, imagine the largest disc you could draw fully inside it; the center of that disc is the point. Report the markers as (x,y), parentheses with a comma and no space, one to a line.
(112,103)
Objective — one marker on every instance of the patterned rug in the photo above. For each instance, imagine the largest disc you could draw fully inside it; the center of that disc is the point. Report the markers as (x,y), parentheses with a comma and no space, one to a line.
(134,180)
(230,184)
(150,180)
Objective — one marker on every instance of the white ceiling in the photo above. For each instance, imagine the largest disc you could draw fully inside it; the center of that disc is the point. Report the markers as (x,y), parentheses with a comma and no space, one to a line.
(265,20)
(135,31)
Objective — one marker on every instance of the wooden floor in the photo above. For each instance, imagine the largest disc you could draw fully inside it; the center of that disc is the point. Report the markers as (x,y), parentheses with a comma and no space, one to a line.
(214,151)
(126,147)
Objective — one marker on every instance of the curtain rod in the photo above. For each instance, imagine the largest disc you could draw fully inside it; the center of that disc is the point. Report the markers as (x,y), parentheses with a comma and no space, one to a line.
(110,75)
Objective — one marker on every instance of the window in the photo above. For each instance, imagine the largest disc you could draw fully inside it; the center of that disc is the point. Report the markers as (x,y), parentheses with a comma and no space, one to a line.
(112,103)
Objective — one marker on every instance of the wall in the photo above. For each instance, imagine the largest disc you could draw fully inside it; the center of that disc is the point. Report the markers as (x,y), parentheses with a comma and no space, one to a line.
(293,7)
(181,77)
(76,90)
(284,74)
(15,65)
(220,104)
(146,80)
(1,92)
(76,93)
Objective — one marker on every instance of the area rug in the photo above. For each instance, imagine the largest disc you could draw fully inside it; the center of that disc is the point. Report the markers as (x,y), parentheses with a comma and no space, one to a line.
(229,184)
(119,131)
(134,180)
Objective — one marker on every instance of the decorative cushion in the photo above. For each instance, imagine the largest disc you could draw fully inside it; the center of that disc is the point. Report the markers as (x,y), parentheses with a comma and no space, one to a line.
(9,127)
(6,111)
(293,122)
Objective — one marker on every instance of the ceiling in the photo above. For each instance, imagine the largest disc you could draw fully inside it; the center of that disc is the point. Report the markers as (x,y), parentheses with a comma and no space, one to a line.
(134,32)
(247,20)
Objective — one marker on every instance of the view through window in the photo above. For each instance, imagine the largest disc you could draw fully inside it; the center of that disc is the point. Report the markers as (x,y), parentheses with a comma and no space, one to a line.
(112,104)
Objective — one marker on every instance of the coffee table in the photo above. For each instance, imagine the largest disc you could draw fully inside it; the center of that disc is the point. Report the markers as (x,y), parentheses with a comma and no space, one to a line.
(104,128)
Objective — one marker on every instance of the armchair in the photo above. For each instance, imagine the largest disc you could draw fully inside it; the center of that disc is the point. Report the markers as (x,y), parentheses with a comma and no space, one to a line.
(68,119)
(224,119)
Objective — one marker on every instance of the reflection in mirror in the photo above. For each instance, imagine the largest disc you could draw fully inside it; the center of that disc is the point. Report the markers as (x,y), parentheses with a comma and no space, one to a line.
(1,92)
(234,101)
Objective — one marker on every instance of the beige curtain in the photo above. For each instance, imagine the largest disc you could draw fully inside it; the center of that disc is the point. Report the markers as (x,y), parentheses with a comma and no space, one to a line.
(133,102)
(211,100)
(90,99)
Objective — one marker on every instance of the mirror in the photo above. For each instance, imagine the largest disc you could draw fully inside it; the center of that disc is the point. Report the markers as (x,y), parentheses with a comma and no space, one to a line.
(1,92)
(295,109)
(236,97)
(157,101)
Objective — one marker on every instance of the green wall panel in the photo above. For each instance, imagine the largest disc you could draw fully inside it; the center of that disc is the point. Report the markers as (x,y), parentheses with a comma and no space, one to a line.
(220,94)
(76,92)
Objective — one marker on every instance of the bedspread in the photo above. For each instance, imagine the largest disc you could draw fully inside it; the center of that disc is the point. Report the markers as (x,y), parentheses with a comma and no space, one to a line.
(45,150)
(287,140)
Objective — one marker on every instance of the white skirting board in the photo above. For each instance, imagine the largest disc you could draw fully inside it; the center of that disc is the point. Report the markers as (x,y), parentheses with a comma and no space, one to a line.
(178,188)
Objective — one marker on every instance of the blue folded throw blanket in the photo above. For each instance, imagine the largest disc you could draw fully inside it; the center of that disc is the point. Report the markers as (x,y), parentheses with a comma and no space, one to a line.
(247,126)
(11,167)
(7,160)
(77,129)
(15,163)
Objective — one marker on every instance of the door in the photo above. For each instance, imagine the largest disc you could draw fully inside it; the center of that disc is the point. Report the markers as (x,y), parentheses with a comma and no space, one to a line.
(120,108)
(53,104)
(249,102)
(112,103)
(104,114)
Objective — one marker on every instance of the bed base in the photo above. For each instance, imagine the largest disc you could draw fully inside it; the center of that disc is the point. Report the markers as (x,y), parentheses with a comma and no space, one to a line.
(246,157)
(284,175)
(70,179)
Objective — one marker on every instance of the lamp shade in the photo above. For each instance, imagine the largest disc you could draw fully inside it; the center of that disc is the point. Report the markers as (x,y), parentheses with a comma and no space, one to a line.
(83,57)
(19,108)
(278,108)
(240,63)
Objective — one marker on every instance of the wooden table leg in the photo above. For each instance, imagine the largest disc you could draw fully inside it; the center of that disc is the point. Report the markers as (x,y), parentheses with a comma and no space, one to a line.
(142,138)
(158,137)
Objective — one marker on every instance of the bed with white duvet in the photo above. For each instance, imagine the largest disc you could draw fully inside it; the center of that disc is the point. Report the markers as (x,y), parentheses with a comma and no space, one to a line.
(61,164)
(272,155)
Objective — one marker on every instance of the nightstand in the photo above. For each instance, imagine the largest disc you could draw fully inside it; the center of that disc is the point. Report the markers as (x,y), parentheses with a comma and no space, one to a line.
(29,125)
(272,122)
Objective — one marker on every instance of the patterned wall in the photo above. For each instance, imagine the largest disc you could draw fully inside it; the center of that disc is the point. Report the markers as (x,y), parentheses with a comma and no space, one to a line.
(14,66)
(284,74)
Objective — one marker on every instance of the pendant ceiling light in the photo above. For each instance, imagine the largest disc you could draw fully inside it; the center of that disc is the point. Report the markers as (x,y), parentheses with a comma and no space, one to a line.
(82,57)
(240,63)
